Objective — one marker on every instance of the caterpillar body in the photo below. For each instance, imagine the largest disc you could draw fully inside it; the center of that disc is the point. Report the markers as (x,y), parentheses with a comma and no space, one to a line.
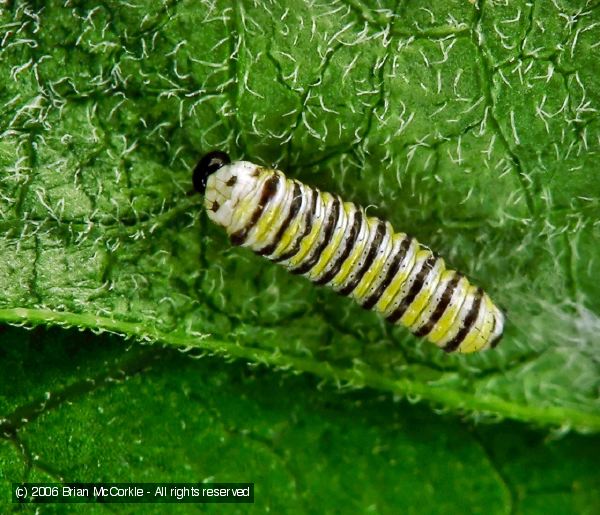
(335,243)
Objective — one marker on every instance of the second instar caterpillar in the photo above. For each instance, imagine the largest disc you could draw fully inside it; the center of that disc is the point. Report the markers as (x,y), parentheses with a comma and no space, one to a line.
(335,243)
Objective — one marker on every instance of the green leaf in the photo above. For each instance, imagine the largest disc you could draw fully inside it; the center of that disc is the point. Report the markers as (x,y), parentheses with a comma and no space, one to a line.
(83,408)
(472,125)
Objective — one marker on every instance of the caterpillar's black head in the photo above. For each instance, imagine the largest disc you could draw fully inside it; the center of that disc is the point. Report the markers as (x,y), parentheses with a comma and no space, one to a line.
(208,165)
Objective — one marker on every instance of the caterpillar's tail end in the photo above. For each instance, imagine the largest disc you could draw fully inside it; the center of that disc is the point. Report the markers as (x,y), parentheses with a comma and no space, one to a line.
(208,165)
(498,329)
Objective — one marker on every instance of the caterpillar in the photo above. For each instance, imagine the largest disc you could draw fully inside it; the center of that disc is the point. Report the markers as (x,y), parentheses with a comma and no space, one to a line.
(335,243)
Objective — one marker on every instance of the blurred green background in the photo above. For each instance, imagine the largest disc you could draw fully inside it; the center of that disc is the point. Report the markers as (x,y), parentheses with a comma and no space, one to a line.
(94,408)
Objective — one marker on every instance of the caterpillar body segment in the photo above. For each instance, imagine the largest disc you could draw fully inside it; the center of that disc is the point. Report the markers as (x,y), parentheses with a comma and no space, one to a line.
(335,243)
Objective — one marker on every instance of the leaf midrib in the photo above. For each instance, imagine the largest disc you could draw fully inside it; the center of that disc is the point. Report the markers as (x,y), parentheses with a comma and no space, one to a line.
(563,417)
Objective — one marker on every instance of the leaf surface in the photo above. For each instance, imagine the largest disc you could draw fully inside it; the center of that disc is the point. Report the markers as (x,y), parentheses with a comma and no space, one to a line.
(77,407)
(472,126)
